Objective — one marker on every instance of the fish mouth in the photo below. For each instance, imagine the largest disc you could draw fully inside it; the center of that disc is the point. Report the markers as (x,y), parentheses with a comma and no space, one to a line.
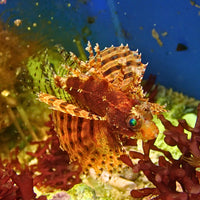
(149,130)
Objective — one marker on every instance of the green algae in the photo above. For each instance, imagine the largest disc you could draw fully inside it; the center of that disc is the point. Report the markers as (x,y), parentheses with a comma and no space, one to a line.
(179,106)
(84,192)
(176,103)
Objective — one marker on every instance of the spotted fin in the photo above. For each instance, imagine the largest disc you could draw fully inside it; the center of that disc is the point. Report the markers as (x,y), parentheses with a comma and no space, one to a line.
(120,66)
(63,106)
(42,69)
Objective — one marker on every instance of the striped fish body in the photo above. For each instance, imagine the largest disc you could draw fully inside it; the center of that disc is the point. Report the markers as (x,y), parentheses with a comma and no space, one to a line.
(88,141)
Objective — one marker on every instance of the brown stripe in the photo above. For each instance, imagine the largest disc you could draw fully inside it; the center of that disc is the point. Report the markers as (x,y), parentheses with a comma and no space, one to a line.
(51,101)
(91,131)
(74,123)
(128,75)
(112,69)
(77,110)
(79,126)
(89,114)
(128,63)
(61,123)
(113,57)
(107,51)
(63,105)
(69,120)
(113,49)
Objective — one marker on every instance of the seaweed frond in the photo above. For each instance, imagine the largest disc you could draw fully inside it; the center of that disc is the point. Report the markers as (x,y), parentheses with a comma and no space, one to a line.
(172,178)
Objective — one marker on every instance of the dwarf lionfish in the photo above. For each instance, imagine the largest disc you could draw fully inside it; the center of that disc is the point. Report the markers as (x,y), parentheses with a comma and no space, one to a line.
(105,103)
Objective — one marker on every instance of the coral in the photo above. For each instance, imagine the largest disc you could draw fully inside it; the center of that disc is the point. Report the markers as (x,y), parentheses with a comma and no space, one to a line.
(172,178)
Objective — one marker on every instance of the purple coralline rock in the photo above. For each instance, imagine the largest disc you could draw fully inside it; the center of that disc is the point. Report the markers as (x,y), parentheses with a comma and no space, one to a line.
(61,196)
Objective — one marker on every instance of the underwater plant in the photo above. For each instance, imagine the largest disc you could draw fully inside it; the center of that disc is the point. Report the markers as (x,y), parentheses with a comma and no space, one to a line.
(16,181)
(177,103)
(16,100)
(51,171)
(172,178)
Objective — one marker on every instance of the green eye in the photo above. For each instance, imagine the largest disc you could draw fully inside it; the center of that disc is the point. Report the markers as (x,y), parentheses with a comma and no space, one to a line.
(132,122)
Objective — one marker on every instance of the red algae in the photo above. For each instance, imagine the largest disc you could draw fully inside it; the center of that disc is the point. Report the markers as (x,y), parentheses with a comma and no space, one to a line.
(173,179)
(16,182)
(53,166)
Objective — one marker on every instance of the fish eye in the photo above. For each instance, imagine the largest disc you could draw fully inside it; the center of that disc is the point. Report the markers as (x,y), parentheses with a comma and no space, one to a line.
(133,122)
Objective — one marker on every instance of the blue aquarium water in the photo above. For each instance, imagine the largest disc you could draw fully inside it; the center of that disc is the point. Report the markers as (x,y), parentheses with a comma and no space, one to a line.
(173,57)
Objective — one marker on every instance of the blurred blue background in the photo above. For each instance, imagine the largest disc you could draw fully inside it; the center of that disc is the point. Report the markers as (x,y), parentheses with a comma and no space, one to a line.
(176,22)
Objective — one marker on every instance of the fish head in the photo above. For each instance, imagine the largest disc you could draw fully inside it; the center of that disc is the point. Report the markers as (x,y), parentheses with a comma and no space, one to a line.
(137,121)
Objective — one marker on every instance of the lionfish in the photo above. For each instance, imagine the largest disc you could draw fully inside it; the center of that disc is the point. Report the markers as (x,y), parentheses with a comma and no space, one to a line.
(105,103)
